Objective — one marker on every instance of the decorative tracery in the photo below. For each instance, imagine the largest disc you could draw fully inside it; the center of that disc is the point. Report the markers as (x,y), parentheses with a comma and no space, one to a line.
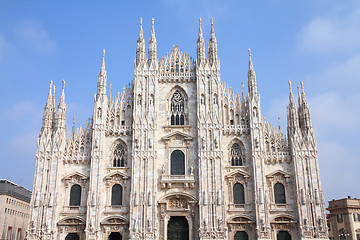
(119,155)
(236,155)
(177,109)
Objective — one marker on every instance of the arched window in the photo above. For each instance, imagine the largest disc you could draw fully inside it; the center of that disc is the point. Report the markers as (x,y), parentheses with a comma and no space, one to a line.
(238,192)
(75,195)
(116,195)
(177,163)
(235,155)
(177,109)
(279,192)
(119,156)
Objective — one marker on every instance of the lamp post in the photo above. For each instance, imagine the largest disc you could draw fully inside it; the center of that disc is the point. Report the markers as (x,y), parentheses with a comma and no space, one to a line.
(343,235)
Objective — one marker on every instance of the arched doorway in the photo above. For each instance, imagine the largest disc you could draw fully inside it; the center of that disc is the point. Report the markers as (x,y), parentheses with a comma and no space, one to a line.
(115,236)
(283,235)
(241,235)
(178,229)
(72,236)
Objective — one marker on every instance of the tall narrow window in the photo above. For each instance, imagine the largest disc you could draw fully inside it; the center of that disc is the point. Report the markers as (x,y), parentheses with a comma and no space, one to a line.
(177,163)
(235,155)
(177,109)
(279,192)
(238,192)
(75,195)
(116,195)
(119,156)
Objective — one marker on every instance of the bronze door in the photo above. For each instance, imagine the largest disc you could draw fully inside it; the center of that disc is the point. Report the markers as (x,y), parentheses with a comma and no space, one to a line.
(283,235)
(72,236)
(241,235)
(115,236)
(178,229)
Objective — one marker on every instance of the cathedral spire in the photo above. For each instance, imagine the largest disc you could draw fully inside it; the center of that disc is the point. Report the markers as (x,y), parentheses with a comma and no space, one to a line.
(304,111)
(61,113)
(291,96)
(101,88)
(140,49)
(48,109)
(200,45)
(212,55)
(152,44)
(252,85)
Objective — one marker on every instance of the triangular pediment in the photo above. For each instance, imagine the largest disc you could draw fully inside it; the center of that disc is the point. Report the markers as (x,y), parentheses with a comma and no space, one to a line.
(177,135)
(238,173)
(76,176)
(278,172)
(117,176)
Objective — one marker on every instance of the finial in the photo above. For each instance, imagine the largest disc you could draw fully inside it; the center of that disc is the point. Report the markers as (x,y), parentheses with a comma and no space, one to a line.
(279,124)
(302,87)
(298,91)
(152,21)
(251,67)
(51,83)
(212,29)
(63,83)
(289,85)
(200,21)
(103,61)
(243,91)
(141,30)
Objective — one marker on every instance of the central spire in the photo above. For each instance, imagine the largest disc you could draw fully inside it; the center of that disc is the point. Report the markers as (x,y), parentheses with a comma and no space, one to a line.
(200,45)
(152,44)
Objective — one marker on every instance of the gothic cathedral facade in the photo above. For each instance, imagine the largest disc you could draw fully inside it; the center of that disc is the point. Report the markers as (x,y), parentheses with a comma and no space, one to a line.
(177,154)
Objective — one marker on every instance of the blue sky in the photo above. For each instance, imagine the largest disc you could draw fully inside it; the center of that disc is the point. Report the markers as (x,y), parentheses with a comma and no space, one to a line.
(314,41)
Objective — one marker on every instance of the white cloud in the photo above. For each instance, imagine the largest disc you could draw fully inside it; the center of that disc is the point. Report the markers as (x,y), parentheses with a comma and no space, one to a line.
(36,37)
(21,110)
(339,170)
(344,77)
(331,112)
(339,32)
(24,145)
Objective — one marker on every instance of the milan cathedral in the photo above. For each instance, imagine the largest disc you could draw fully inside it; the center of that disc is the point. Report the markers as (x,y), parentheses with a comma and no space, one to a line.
(177,154)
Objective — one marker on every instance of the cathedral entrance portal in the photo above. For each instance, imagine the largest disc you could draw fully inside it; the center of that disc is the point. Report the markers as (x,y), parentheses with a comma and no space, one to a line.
(178,229)
(115,236)
(72,236)
(283,235)
(241,235)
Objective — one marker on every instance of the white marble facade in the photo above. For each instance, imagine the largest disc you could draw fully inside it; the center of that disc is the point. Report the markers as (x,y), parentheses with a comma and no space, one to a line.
(179,108)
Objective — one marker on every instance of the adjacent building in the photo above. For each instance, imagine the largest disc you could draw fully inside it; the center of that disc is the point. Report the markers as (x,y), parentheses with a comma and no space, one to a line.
(177,154)
(14,210)
(344,218)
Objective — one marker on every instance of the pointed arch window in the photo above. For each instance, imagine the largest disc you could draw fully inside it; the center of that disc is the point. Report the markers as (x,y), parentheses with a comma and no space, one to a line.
(279,192)
(238,192)
(116,195)
(177,109)
(119,155)
(177,163)
(75,195)
(235,155)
